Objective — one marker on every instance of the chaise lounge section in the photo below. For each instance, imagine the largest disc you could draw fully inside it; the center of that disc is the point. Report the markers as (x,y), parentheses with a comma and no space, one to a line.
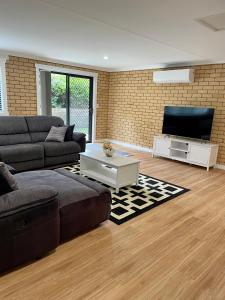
(49,208)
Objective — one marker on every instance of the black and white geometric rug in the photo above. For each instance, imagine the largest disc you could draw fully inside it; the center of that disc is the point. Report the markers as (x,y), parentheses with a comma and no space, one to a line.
(133,201)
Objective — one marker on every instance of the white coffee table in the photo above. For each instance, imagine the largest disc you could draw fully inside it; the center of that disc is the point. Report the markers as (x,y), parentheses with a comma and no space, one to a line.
(116,171)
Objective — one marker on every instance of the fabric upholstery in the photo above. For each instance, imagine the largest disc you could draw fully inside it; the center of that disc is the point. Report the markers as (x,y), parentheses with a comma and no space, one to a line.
(38,136)
(77,136)
(30,232)
(27,197)
(83,204)
(36,217)
(11,169)
(7,180)
(21,141)
(13,125)
(56,134)
(61,160)
(66,186)
(28,165)
(13,139)
(81,139)
(69,133)
(43,123)
(21,152)
(85,211)
(57,149)
(4,186)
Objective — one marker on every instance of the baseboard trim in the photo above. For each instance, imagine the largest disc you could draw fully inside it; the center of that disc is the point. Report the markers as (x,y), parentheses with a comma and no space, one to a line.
(220,166)
(132,146)
(143,149)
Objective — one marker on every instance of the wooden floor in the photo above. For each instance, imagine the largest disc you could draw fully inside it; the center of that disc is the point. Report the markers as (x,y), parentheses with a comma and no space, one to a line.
(174,251)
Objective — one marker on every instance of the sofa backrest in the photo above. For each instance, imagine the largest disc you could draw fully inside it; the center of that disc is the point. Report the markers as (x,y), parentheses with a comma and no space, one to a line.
(13,130)
(39,126)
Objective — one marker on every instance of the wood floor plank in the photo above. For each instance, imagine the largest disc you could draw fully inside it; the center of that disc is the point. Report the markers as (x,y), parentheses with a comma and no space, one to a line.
(174,251)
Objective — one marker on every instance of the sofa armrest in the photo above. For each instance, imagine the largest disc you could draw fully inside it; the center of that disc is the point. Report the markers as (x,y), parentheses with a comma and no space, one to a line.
(22,199)
(80,138)
(77,136)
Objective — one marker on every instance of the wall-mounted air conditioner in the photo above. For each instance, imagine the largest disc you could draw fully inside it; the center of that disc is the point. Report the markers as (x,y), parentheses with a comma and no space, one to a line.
(174,76)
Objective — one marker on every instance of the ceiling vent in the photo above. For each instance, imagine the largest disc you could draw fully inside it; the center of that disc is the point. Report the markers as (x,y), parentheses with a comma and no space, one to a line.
(214,22)
(174,76)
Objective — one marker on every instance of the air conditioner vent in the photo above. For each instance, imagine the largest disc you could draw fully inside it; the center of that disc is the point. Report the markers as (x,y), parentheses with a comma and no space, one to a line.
(214,22)
(174,76)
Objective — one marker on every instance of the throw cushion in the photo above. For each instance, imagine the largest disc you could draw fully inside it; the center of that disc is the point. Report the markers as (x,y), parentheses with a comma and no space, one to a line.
(56,134)
(7,180)
(69,133)
(11,169)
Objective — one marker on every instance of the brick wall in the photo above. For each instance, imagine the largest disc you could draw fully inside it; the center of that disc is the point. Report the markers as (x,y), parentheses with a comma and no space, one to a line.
(136,104)
(130,104)
(22,95)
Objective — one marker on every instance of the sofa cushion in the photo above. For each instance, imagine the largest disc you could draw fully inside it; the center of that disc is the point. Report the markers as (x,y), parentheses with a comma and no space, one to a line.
(7,181)
(8,177)
(13,130)
(13,139)
(83,203)
(21,152)
(43,123)
(56,134)
(58,149)
(69,190)
(13,125)
(69,133)
(39,126)
(38,136)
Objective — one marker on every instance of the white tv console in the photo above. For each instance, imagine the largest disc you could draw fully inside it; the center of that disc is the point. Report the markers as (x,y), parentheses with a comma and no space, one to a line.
(194,152)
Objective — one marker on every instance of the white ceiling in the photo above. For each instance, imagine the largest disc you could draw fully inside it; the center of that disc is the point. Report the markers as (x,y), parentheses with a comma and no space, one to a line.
(134,34)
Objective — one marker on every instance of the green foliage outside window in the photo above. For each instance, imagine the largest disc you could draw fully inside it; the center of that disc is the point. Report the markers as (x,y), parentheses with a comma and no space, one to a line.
(79,91)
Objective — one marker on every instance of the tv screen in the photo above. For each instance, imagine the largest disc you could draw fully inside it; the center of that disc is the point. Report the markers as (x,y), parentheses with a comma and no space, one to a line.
(192,122)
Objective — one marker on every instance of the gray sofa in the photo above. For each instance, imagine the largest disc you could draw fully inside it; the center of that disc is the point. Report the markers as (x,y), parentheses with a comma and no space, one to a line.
(23,146)
(49,208)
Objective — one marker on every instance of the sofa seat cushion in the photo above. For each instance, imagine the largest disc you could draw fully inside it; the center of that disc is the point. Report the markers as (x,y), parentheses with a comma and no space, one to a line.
(69,190)
(21,152)
(58,149)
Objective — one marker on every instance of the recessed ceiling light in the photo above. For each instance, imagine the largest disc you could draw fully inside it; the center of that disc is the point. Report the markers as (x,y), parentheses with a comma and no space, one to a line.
(106,57)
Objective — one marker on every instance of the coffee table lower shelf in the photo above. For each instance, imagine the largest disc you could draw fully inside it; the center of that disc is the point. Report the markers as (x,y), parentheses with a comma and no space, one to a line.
(115,177)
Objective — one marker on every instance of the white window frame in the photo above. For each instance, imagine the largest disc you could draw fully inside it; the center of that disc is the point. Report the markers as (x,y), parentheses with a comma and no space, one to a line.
(50,68)
(4,88)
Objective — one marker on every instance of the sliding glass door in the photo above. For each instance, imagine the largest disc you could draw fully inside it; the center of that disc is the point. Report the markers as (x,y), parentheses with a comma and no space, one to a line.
(72,100)
(59,96)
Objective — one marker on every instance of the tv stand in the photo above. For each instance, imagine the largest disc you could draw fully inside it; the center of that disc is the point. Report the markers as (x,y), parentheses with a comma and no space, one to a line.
(186,150)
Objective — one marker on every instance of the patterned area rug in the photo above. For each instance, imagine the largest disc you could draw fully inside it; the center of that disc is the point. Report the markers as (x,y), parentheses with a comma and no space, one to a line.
(133,201)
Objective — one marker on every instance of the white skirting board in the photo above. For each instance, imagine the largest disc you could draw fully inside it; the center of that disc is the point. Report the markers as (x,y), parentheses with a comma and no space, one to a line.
(143,149)
(132,146)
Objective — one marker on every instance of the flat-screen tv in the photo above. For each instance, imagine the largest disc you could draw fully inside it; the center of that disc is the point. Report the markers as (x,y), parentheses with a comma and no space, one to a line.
(191,122)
